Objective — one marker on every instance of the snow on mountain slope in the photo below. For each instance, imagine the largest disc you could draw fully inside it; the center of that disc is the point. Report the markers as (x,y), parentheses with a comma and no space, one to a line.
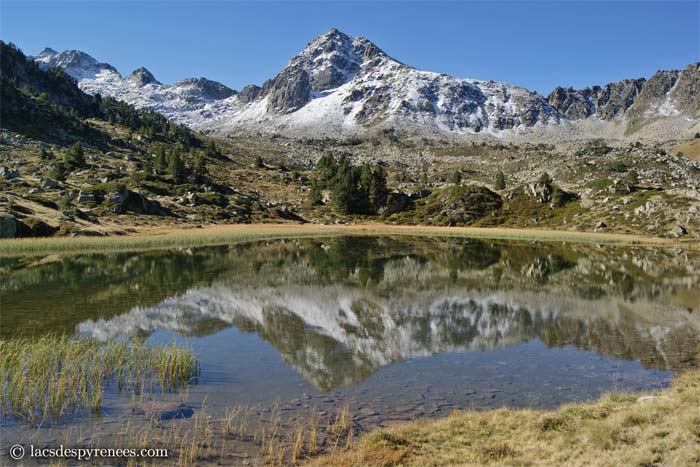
(343,84)
(180,102)
(346,85)
(79,65)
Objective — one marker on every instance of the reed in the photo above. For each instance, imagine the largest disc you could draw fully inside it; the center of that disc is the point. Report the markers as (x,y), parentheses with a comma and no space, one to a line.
(175,239)
(49,378)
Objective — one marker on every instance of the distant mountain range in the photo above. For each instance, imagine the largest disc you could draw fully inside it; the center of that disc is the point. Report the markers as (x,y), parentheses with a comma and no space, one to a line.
(342,85)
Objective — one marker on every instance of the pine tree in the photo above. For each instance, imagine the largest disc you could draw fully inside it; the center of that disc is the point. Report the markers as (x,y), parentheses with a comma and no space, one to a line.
(314,198)
(175,165)
(456,177)
(212,150)
(57,170)
(327,167)
(345,187)
(377,191)
(500,180)
(75,156)
(160,162)
(199,167)
(259,162)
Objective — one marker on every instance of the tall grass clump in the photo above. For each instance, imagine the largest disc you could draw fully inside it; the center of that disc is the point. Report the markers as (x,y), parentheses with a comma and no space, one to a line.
(51,377)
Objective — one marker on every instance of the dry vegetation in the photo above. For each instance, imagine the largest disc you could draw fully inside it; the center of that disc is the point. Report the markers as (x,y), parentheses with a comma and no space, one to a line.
(50,378)
(618,429)
(691,149)
(160,238)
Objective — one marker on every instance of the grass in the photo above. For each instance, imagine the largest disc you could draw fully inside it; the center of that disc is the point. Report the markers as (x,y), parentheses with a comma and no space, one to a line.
(50,378)
(691,149)
(175,239)
(220,235)
(618,429)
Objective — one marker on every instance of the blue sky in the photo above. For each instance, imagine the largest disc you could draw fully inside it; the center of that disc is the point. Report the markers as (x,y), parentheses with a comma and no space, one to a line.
(538,45)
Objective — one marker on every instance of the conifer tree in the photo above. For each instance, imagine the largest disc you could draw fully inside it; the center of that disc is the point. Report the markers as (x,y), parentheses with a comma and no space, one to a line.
(500,180)
(160,163)
(175,165)
(75,156)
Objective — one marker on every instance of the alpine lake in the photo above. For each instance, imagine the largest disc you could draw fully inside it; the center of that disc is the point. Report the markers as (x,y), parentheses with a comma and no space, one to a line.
(376,330)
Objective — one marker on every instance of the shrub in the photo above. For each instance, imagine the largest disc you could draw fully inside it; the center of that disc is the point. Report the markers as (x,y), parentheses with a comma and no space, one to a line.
(545,179)
(45,155)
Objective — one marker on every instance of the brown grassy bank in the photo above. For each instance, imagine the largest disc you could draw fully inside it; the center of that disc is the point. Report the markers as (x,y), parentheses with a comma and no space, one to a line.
(156,238)
(616,430)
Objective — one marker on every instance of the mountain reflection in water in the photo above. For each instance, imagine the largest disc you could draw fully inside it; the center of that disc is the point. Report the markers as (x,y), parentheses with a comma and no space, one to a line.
(338,309)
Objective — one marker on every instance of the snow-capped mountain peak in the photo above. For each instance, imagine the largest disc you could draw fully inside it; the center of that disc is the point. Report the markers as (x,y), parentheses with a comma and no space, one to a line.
(77,64)
(334,58)
(340,84)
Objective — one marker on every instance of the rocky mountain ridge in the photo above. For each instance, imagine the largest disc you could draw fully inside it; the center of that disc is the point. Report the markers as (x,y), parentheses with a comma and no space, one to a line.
(343,85)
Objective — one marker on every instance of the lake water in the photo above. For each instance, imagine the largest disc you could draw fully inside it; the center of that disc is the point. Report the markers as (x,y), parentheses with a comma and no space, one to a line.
(395,327)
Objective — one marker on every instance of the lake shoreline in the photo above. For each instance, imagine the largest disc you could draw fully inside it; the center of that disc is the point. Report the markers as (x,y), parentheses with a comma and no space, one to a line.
(659,428)
(158,238)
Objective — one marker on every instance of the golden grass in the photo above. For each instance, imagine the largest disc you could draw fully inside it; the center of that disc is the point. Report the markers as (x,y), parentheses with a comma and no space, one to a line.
(228,234)
(48,378)
(152,240)
(618,429)
(691,149)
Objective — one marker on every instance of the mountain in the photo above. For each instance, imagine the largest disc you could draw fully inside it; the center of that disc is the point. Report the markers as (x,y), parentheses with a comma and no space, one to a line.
(77,64)
(340,85)
(40,99)
(180,102)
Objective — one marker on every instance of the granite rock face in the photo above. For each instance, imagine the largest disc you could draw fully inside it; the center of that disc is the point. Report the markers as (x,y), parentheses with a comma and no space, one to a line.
(141,77)
(607,102)
(205,88)
(288,91)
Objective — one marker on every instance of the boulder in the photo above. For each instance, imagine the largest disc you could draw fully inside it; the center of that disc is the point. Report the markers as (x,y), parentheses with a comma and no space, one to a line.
(420,194)
(679,231)
(125,200)
(8,227)
(34,227)
(600,226)
(285,213)
(48,184)
(397,202)
(8,174)
(117,197)
(541,191)
(86,197)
